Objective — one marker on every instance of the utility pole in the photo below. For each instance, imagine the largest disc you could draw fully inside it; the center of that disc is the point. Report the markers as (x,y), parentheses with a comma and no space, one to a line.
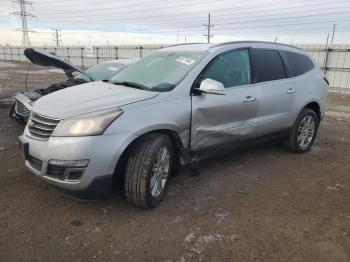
(177,36)
(334,25)
(24,15)
(56,34)
(326,56)
(208,26)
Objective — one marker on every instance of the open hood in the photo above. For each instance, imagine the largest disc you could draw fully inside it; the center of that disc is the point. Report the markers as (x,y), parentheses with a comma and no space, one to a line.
(43,58)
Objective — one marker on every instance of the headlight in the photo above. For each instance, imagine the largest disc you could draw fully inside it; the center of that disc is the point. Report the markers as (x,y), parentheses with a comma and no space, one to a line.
(88,124)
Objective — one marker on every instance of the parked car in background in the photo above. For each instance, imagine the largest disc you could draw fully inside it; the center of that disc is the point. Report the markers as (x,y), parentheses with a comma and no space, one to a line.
(24,100)
(174,106)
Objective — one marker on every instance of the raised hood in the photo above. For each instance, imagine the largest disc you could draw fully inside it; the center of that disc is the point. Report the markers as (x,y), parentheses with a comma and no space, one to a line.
(43,58)
(87,98)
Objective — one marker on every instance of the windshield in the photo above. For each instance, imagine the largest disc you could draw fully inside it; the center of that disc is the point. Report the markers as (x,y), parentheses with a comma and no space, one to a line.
(160,71)
(102,71)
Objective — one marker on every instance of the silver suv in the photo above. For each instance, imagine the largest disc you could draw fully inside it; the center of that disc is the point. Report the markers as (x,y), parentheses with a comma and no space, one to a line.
(172,107)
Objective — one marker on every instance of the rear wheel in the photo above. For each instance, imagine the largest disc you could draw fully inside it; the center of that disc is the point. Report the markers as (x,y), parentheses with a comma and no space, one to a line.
(149,168)
(304,131)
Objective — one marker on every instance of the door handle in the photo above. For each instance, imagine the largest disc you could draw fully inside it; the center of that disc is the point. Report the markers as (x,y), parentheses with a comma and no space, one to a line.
(249,99)
(290,91)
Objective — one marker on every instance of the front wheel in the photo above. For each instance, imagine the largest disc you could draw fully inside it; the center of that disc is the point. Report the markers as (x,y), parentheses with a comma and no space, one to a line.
(304,131)
(149,168)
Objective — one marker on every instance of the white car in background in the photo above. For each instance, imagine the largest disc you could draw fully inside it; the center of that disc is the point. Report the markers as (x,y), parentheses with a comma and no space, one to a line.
(101,72)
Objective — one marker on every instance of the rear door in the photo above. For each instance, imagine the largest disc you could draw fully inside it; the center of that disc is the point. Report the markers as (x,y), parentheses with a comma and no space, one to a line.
(218,119)
(275,90)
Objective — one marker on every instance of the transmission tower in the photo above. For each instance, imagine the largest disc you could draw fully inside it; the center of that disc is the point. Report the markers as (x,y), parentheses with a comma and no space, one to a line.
(209,26)
(24,15)
(56,34)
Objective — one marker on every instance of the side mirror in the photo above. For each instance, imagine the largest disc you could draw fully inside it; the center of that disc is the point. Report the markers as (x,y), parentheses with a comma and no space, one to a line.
(211,86)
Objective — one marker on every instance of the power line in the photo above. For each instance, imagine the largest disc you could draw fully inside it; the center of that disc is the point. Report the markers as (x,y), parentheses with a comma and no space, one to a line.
(183,20)
(24,16)
(142,10)
(242,23)
(209,26)
(56,34)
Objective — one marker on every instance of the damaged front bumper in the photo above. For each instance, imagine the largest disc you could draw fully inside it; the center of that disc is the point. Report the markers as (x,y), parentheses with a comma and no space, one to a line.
(22,107)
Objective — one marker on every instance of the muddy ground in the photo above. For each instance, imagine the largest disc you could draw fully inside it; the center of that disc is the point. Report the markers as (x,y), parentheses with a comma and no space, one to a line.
(257,204)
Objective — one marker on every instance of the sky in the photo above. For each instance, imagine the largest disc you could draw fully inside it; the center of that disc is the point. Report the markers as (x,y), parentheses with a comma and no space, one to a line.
(111,22)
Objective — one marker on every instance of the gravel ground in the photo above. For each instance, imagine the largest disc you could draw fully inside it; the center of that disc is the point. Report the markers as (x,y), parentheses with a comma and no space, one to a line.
(256,204)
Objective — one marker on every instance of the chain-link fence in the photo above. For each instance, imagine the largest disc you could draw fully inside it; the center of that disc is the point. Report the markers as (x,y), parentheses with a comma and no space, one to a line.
(81,56)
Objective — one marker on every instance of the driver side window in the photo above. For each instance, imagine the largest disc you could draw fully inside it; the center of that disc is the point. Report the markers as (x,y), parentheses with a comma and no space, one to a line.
(231,69)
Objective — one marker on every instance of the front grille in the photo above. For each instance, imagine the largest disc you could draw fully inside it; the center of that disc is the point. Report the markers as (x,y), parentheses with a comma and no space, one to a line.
(21,109)
(41,126)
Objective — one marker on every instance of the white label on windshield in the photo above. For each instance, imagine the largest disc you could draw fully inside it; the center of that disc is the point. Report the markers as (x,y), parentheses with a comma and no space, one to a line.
(112,68)
(185,60)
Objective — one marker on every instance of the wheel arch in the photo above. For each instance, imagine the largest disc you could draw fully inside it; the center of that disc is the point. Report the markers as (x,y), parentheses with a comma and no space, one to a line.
(122,161)
(313,105)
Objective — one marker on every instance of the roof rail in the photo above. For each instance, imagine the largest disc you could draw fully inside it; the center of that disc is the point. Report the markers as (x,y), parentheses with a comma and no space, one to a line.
(261,42)
(185,44)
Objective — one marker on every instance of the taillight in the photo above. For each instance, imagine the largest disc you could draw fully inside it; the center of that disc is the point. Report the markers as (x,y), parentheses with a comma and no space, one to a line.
(326,80)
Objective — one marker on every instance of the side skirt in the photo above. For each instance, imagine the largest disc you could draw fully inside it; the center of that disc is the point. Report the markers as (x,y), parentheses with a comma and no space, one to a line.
(193,157)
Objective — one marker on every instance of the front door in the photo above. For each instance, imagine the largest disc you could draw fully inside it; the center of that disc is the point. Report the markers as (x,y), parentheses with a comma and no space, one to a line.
(219,119)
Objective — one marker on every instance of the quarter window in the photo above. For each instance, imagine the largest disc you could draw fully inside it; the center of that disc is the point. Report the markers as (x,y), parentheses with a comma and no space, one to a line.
(268,65)
(231,69)
(299,64)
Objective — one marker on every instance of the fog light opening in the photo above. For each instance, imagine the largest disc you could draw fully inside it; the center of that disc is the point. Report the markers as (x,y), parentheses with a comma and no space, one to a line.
(67,170)
(74,175)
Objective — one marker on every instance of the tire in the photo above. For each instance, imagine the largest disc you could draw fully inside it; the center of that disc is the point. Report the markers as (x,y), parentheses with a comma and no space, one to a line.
(144,157)
(299,133)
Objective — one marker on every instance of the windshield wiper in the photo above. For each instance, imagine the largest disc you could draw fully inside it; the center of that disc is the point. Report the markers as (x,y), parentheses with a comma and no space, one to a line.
(131,84)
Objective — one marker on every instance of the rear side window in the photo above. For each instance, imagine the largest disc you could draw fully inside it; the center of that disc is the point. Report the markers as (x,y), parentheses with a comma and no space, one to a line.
(268,65)
(231,68)
(299,64)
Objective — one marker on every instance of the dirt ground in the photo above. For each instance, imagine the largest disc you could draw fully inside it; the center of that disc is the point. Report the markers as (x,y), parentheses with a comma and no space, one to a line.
(257,204)
(13,75)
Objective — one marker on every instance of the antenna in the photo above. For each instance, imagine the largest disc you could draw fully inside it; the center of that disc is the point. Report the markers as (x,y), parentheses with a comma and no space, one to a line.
(24,15)
(208,26)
